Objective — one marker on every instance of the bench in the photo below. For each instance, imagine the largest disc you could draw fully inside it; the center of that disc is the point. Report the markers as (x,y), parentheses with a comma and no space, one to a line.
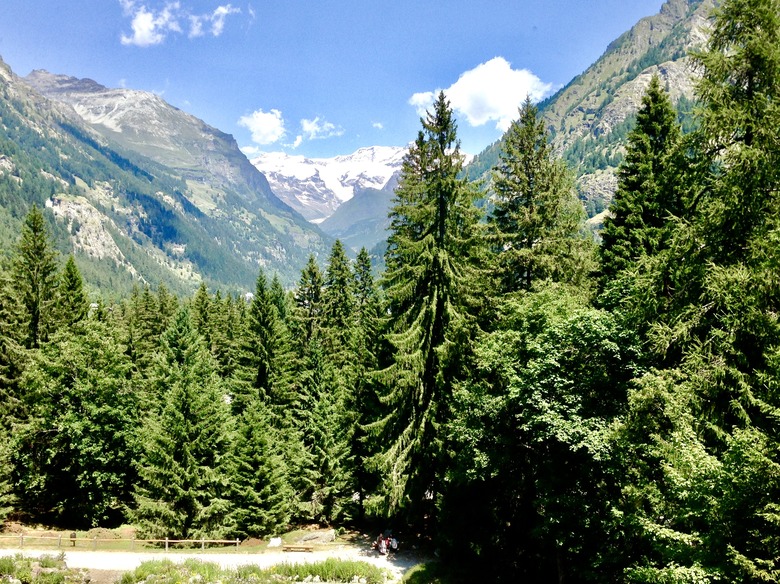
(297,548)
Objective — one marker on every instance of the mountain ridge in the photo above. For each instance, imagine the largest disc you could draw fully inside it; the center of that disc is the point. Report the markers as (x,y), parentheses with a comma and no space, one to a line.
(172,201)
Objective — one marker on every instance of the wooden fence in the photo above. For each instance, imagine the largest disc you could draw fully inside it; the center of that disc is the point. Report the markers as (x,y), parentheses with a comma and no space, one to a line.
(63,542)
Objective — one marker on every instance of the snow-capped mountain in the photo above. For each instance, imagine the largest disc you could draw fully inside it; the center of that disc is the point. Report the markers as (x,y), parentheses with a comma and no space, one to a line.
(316,187)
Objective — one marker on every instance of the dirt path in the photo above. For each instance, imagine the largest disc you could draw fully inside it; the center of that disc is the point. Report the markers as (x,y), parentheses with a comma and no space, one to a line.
(109,565)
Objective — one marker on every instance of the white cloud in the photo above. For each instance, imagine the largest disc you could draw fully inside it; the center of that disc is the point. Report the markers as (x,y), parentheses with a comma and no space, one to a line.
(151,26)
(216,19)
(378,126)
(298,141)
(491,91)
(266,127)
(250,151)
(318,129)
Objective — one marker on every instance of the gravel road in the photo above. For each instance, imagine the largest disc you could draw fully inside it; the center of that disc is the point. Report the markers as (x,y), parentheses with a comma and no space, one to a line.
(117,562)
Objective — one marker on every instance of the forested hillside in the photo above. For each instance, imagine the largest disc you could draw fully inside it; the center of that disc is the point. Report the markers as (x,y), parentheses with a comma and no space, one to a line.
(129,218)
(531,406)
(589,118)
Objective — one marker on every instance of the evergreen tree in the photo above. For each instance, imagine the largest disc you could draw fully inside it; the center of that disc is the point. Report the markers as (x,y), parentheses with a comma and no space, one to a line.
(227,319)
(535,227)
(34,275)
(363,403)
(427,282)
(262,349)
(11,353)
(308,303)
(186,463)
(279,297)
(710,298)
(322,465)
(72,302)
(645,197)
(74,454)
(262,494)
(201,313)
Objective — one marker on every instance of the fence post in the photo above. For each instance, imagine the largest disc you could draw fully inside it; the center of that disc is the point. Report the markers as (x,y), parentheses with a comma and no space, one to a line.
(166,543)
(94,543)
(202,543)
(59,541)
(132,544)
(236,543)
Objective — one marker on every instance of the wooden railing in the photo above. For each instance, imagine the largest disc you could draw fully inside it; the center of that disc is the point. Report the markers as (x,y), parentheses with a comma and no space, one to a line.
(63,541)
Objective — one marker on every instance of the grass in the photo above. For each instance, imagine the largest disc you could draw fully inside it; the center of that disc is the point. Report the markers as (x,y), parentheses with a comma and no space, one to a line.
(194,572)
(43,570)
(428,573)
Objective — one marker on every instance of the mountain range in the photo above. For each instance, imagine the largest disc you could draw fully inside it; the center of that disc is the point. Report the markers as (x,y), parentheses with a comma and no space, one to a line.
(145,192)
(148,191)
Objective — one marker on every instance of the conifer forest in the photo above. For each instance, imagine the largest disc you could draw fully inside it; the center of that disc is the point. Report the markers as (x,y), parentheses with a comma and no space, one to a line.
(537,403)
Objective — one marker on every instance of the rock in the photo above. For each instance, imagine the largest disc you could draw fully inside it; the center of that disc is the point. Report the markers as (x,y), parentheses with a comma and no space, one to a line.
(275,542)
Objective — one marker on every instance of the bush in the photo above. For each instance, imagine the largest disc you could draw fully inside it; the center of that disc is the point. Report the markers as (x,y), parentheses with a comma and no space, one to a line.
(332,570)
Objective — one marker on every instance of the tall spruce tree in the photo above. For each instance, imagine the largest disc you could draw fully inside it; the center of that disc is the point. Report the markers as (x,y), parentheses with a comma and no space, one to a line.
(711,298)
(427,285)
(535,227)
(184,491)
(260,484)
(645,197)
(72,302)
(34,271)
(11,353)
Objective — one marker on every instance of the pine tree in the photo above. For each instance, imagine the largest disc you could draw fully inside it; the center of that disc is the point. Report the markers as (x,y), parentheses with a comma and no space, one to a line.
(11,353)
(322,477)
(74,454)
(338,305)
(710,298)
(645,197)
(535,227)
(261,353)
(307,318)
(261,491)
(362,402)
(186,463)
(201,313)
(72,302)
(427,281)
(34,274)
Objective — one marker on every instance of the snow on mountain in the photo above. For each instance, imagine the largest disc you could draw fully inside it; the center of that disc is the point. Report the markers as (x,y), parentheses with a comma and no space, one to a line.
(316,187)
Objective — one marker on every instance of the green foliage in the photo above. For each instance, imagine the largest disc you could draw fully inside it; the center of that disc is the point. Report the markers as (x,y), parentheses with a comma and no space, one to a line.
(535,227)
(261,491)
(74,454)
(187,450)
(645,197)
(427,285)
(34,272)
(330,570)
(548,384)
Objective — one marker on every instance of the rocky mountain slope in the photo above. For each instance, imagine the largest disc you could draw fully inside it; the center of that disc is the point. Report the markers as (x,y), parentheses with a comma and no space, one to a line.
(316,187)
(142,191)
(590,117)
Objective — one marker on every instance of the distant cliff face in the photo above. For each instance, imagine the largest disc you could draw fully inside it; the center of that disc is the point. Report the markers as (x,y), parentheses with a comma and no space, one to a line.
(590,117)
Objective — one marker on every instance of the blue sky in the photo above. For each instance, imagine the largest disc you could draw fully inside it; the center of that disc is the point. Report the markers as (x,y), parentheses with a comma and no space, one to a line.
(322,77)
